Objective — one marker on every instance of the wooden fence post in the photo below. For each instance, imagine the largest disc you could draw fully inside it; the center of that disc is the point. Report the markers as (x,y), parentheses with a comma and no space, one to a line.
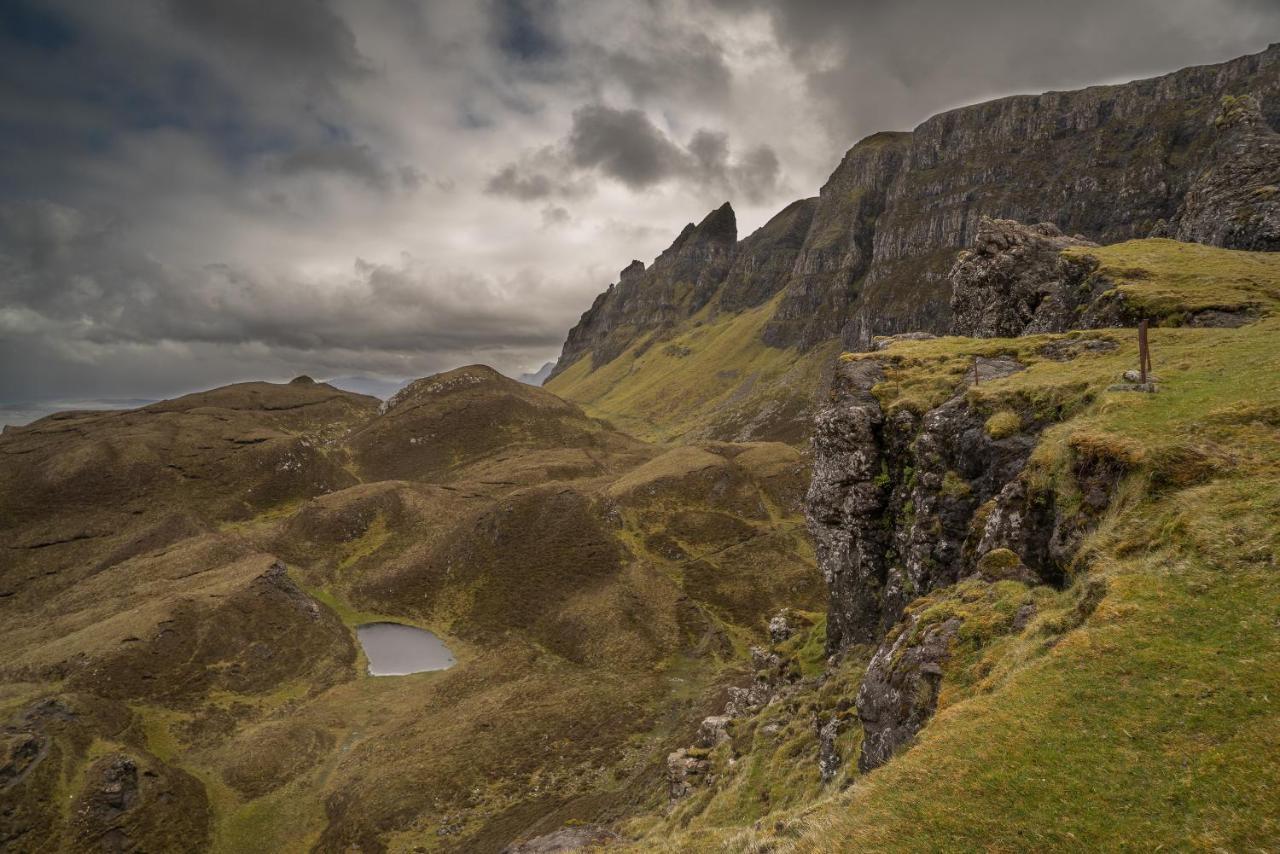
(1144,352)
(975,370)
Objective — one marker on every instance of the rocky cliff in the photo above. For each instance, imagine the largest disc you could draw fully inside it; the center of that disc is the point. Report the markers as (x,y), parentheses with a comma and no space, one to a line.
(1192,154)
(905,499)
(946,467)
(681,281)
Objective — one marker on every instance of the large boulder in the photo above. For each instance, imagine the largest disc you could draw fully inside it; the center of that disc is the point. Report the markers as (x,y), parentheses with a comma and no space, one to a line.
(1017,281)
(900,690)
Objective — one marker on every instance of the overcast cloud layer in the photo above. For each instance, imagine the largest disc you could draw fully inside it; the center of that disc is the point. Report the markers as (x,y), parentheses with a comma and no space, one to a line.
(195,192)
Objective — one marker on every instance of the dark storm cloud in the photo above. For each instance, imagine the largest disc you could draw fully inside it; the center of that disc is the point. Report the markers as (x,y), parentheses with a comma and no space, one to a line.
(875,65)
(524,29)
(627,147)
(624,145)
(295,37)
(186,186)
(72,287)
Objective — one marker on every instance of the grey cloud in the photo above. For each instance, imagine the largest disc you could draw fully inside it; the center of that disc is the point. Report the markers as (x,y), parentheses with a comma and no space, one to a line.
(69,283)
(554,215)
(356,161)
(65,271)
(757,174)
(888,66)
(539,175)
(666,61)
(626,146)
(510,181)
(294,37)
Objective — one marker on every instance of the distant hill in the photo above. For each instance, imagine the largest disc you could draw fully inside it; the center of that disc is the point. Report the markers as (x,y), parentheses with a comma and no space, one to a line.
(539,376)
(18,414)
(379,387)
(180,583)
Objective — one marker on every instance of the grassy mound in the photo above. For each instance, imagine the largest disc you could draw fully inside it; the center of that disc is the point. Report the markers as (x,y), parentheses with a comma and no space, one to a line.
(1174,282)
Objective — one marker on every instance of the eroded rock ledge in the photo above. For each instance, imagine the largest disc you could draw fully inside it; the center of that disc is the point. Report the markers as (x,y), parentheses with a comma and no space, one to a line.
(899,502)
(917,515)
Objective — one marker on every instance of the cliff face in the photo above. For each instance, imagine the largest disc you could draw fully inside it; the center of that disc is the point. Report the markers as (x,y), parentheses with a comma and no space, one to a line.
(1233,201)
(838,250)
(1191,154)
(1108,162)
(682,280)
(936,477)
(900,499)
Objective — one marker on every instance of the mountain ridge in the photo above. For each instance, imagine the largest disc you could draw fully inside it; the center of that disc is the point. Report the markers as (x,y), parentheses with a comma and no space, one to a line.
(1112,162)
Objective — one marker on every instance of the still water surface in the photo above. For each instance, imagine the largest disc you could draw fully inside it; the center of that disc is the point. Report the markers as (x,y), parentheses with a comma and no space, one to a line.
(397,650)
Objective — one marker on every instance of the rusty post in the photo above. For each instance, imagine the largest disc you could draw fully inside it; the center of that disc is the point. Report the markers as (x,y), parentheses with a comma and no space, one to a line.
(1144,354)
(975,370)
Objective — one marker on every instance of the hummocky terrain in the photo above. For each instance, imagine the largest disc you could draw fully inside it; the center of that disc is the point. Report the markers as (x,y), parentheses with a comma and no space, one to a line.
(975,584)
(180,584)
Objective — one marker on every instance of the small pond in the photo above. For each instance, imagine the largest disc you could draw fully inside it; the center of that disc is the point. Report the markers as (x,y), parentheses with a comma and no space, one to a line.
(397,650)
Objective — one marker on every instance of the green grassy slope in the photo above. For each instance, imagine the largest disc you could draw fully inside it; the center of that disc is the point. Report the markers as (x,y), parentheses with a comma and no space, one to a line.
(713,378)
(1140,709)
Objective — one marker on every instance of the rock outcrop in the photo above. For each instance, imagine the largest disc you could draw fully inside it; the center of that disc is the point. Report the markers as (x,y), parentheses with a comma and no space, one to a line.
(1192,155)
(1016,281)
(681,281)
(900,690)
(894,497)
(929,527)
(902,686)
(1235,202)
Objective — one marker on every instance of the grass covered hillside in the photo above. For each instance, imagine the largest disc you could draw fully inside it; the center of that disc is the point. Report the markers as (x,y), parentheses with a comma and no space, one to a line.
(181,586)
(1136,708)
(711,378)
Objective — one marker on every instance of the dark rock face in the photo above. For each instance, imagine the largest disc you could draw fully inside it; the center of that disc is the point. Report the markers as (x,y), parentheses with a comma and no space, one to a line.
(764,259)
(1016,281)
(839,248)
(1235,202)
(681,281)
(900,690)
(829,758)
(901,686)
(893,500)
(918,518)
(870,255)
(127,805)
(1107,162)
(844,501)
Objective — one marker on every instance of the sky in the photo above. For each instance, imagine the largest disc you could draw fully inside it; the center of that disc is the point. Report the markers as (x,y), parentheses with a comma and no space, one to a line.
(197,192)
